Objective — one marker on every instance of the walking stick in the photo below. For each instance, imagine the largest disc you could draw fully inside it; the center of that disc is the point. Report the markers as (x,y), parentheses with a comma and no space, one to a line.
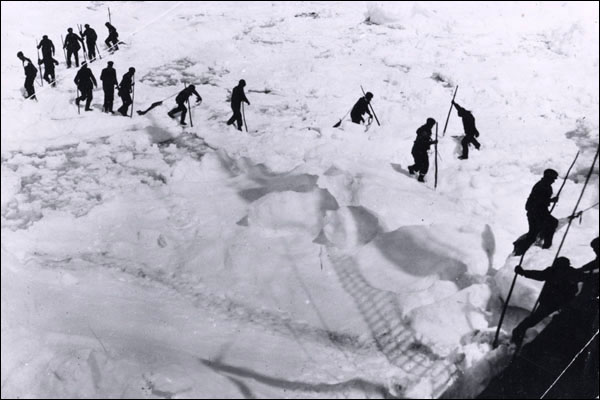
(449,111)
(189,107)
(98,51)
(85,56)
(39,64)
(109,19)
(77,101)
(132,95)
(436,156)
(564,181)
(371,107)
(63,46)
(244,117)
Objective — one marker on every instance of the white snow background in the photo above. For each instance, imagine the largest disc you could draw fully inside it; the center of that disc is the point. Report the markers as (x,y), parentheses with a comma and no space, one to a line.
(142,259)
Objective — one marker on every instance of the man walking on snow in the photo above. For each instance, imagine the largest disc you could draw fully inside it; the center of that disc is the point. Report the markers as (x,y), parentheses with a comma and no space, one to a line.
(72,45)
(85,81)
(420,150)
(237,96)
(360,108)
(471,132)
(125,89)
(109,83)
(541,222)
(30,74)
(181,98)
(90,39)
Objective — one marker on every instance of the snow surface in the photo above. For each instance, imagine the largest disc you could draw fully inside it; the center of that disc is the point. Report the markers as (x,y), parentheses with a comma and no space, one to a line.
(140,259)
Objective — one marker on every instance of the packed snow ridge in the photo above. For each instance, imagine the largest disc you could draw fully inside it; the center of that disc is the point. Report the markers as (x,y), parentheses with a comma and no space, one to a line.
(143,259)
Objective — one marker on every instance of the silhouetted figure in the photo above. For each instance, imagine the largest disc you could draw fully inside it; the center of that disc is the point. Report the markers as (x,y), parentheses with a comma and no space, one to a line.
(360,108)
(85,81)
(541,222)
(113,37)
(560,288)
(420,149)
(125,89)
(47,47)
(586,302)
(30,74)
(108,76)
(237,96)
(90,40)
(181,99)
(72,45)
(49,70)
(471,131)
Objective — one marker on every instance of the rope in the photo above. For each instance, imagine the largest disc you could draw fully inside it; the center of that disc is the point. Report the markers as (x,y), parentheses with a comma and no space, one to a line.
(569,366)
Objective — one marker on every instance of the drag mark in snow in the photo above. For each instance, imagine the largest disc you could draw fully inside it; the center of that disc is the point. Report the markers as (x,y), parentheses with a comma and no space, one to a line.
(74,179)
(396,340)
(366,387)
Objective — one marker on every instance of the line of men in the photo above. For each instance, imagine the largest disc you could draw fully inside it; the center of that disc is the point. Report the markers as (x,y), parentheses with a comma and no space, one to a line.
(72,47)
(86,82)
(423,141)
(561,293)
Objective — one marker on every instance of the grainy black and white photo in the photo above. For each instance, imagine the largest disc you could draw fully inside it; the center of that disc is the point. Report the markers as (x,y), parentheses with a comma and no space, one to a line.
(312,199)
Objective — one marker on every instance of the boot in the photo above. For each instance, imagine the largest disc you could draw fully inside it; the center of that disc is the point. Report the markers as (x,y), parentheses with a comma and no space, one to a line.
(411,170)
(421,178)
(463,157)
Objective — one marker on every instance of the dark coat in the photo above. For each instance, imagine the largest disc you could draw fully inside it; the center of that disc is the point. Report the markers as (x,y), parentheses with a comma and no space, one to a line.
(237,96)
(108,76)
(90,36)
(361,107)
(72,42)
(47,47)
(539,198)
(423,141)
(468,121)
(126,83)
(185,94)
(85,79)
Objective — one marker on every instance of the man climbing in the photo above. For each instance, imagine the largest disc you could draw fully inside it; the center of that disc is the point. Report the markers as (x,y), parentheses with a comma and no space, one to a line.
(85,81)
(108,76)
(113,38)
(471,132)
(72,45)
(181,98)
(30,74)
(49,72)
(90,39)
(47,47)
(560,288)
(360,108)
(125,89)
(420,150)
(237,96)
(541,222)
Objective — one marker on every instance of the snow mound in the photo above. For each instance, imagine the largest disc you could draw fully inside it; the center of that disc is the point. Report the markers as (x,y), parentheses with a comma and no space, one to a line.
(443,324)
